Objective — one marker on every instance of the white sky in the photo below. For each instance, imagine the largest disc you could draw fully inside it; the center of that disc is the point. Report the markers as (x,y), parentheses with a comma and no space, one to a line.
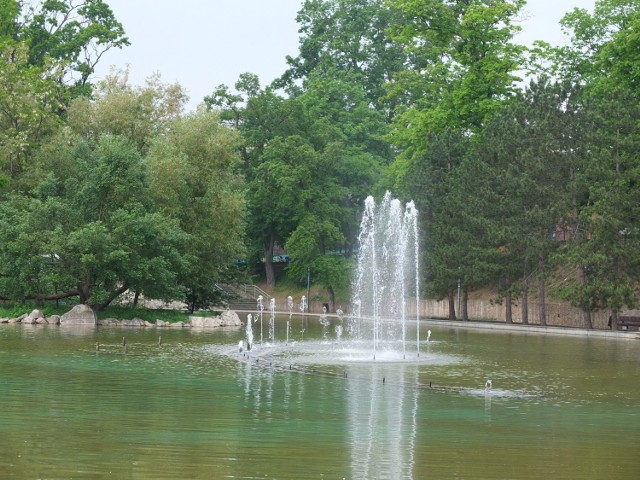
(204,43)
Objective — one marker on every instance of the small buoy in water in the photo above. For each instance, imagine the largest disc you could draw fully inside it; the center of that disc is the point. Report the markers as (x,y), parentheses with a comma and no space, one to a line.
(428,335)
(240,346)
(488,385)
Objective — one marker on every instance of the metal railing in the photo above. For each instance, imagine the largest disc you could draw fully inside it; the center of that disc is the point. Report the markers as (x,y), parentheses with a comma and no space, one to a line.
(253,291)
(245,291)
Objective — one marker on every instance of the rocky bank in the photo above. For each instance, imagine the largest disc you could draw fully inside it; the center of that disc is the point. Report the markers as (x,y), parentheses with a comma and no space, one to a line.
(84,315)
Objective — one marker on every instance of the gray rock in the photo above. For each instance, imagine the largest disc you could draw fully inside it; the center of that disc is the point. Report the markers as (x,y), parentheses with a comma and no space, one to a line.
(54,320)
(134,322)
(229,318)
(109,322)
(19,319)
(79,315)
(162,323)
(35,316)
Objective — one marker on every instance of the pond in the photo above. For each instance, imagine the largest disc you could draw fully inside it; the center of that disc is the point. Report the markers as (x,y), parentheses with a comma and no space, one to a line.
(192,406)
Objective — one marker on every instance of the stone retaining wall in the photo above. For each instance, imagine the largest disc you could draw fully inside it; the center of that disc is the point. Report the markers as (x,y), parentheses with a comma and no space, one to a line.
(558,314)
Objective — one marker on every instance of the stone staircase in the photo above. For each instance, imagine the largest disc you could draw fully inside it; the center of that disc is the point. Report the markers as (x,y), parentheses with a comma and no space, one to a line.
(244,297)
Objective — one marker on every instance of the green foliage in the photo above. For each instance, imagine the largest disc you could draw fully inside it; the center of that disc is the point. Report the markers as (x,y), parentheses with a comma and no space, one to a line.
(77,33)
(192,172)
(462,66)
(609,259)
(341,37)
(29,101)
(90,233)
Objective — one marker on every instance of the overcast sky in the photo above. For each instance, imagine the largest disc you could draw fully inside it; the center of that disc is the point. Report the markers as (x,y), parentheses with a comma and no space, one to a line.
(204,43)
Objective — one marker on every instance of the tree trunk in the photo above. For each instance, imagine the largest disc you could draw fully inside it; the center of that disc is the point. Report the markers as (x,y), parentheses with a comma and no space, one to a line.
(614,319)
(332,299)
(268,262)
(588,324)
(83,293)
(112,296)
(452,305)
(136,297)
(465,304)
(541,292)
(525,299)
(508,308)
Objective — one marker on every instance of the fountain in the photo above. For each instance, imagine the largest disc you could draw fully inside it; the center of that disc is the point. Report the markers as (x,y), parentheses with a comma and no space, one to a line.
(290,307)
(260,308)
(249,332)
(385,290)
(272,320)
(387,277)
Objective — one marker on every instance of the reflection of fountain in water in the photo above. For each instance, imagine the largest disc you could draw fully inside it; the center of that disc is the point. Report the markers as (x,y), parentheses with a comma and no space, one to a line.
(387,275)
(383,423)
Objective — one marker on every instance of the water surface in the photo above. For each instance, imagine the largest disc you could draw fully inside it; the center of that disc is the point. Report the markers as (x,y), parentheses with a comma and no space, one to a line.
(560,407)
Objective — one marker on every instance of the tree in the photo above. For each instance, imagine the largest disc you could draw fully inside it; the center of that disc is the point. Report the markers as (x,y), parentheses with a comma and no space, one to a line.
(602,58)
(193,174)
(430,186)
(463,65)
(608,259)
(348,36)
(139,113)
(261,116)
(29,102)
(91,232)
(604,46)
(76,32)
(533,145)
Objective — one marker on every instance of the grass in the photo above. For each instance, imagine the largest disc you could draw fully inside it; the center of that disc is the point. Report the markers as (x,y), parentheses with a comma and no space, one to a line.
(285,287)
(13,310)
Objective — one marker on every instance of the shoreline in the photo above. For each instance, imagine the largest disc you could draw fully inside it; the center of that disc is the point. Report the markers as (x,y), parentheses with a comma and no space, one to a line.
(499,326)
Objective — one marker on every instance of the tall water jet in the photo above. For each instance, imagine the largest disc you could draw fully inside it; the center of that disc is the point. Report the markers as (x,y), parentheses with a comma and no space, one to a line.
(249,332)
(272,320)
(260,308)
(290,306)
(386,285)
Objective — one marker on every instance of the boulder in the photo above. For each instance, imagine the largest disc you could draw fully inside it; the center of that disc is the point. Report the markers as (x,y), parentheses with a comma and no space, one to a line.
(18,319)
(109,322)
(53,320)
(34,317)
(229,318)
(79,315)
(134,322)
(162,323)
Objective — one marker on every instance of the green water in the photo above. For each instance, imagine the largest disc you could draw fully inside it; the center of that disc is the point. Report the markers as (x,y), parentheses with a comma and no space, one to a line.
(561,407)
